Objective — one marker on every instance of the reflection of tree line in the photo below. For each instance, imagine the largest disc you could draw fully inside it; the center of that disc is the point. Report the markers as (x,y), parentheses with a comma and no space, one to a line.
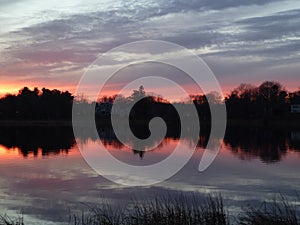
(109,138)
(31,140)
(268,144)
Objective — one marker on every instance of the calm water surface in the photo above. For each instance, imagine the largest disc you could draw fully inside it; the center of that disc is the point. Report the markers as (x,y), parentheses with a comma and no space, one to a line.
(43,175)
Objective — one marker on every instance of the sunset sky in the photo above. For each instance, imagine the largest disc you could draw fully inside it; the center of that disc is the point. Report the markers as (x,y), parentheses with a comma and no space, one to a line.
(50,43)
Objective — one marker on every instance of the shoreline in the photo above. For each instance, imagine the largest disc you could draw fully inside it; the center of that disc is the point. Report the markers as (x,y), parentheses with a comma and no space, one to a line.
(230,122)
(17,123)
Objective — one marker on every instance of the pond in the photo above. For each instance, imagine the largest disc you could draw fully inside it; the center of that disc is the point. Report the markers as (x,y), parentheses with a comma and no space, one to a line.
(44,176)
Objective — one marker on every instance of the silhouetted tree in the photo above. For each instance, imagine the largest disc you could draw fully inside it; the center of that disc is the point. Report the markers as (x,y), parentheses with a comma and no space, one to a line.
(35,105)
(267,101)
(294,97)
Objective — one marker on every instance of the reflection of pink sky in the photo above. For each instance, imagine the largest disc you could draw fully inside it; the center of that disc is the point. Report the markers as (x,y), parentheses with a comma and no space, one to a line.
(71,173)
(127,155)
(62,174)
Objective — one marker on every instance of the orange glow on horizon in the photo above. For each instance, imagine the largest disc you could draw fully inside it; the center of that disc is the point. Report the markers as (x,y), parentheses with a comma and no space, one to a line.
(8,89)
(110,90)
(15,88)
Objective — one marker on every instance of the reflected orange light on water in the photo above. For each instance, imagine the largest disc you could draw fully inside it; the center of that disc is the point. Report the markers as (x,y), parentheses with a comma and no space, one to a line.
(8,152)
(115,148)
(15,153)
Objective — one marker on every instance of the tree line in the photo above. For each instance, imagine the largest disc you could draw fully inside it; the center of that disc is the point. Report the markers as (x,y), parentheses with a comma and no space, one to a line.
(37,104)
(268,100)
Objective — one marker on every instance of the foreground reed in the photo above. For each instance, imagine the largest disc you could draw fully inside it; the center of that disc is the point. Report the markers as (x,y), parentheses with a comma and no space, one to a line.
(182,210)
(161,211)
(5,220)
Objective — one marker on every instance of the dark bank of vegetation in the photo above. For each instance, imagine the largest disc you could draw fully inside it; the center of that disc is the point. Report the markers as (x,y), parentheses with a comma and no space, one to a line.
(37,104)
(182,210)
(268,101)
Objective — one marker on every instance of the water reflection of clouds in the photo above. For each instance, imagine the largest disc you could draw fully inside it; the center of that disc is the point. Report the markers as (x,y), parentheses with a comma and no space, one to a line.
(49,195)
(46,187)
